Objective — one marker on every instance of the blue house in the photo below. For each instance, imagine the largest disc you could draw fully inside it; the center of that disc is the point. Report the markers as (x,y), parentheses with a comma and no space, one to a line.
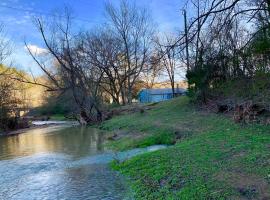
(157,95)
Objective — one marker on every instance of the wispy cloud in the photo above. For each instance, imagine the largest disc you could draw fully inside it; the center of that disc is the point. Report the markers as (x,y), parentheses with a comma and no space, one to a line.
(34,49)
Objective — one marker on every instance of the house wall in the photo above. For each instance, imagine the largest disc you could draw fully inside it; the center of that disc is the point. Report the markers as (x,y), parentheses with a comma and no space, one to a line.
(157,97)
(145,97)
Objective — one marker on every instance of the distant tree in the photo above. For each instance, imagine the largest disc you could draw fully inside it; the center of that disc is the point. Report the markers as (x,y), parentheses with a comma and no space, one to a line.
(13,98)
(133,27)
(5,47)
(153,71)
(56,103)
(70,69)
(222,48)
(168,58)
(104,51)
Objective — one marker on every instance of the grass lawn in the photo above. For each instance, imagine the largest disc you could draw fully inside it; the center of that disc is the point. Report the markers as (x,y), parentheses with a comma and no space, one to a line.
(212,157)
(58,117)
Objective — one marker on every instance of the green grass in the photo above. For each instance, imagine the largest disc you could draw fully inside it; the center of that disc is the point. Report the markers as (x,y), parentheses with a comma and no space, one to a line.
(58,117)
(213,157)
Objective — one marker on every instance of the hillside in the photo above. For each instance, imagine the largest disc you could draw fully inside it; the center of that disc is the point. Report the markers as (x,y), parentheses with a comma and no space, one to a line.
(211,157)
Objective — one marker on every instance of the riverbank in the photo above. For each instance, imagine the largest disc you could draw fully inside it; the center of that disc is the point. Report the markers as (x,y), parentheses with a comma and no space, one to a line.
(22,130)
(36,125)
(211,157)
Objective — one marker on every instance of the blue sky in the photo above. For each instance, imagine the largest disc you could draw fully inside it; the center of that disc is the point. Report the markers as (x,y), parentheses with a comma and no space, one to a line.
(17,15)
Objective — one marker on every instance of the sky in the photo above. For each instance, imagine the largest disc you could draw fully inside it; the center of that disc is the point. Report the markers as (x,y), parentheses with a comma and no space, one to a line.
(17,18)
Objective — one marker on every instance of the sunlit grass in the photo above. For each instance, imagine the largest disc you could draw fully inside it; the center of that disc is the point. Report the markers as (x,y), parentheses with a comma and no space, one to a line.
(213,157)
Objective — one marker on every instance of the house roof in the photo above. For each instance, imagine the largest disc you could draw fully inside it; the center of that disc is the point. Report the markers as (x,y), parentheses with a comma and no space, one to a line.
(164,91)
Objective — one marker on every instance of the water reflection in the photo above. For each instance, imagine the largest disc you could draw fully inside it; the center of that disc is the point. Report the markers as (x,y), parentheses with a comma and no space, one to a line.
(46,163)
(75,141)
(61,163)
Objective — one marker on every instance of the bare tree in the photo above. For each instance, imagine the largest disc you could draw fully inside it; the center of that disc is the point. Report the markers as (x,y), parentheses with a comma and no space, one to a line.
(104,50)
(133,27)
(221,47)
(71,69)
(5,49)
(152,72)
(169,59)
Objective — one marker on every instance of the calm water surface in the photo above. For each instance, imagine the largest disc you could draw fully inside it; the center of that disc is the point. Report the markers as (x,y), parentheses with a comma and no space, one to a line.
(59,163)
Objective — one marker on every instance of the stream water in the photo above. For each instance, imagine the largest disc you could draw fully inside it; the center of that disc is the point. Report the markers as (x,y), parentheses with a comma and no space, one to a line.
(61,162)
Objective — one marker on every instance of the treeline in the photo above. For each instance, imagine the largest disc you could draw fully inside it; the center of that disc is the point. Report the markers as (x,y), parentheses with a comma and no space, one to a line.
(12,93)
(224,48)
(100,66)
(15,98)
(229,44)
(228,47)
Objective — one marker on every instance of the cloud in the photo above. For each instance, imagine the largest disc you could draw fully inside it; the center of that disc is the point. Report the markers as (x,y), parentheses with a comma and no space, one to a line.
(36,50)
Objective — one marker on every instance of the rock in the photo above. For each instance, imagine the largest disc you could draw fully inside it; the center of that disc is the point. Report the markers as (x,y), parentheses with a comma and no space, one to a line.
(113,137)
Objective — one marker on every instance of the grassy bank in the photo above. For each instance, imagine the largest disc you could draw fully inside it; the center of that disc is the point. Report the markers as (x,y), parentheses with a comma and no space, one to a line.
(58,117)
(213,158)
